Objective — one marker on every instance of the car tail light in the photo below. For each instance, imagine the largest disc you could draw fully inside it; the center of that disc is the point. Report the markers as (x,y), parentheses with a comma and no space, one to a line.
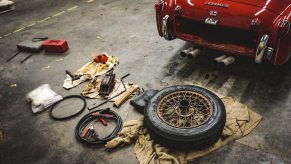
(160,6)
(283,27)
(255,23)
(177,10)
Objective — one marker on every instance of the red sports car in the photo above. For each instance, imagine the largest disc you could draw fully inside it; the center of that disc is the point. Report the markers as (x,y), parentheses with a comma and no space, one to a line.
(254,28)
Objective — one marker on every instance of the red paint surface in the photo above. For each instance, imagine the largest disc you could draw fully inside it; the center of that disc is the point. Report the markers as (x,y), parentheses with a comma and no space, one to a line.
(56,46)
(238,16)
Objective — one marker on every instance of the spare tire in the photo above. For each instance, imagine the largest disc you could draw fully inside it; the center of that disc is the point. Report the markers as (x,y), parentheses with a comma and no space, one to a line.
(185,117)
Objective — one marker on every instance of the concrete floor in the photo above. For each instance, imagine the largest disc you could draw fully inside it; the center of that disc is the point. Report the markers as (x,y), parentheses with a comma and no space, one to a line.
(126,29)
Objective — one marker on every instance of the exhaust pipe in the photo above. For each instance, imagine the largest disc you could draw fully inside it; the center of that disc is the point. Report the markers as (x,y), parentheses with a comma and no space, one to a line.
(194,53)
(219,59)
(227,61)
(184,53)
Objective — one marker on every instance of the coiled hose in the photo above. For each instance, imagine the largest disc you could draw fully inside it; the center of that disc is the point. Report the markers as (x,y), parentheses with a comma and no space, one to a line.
(88,118)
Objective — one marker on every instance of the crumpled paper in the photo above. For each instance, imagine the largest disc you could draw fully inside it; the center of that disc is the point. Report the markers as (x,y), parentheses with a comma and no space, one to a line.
(240,121)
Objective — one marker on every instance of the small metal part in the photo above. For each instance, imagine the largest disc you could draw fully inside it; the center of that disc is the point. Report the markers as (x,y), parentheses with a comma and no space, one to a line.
(283,24)
(70,74)
(185,52)
(213,12)
(74,77)
(211,21)
(255,23)
(194,53)
(227,61)
(220,58)
(209,3)
(269,53)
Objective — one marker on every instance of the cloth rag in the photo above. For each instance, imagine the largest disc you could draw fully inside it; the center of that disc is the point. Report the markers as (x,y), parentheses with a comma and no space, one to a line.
(240,121)
(92,89)
(90,71)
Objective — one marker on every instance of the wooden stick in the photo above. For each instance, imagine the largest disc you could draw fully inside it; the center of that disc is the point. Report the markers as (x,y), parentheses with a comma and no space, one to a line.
(125,96)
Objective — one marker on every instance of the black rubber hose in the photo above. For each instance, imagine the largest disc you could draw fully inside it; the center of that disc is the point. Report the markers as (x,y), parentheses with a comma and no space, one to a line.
(70,116)
(88,118)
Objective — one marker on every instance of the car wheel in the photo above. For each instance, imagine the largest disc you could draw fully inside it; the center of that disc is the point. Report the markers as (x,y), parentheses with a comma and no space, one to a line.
(185,117)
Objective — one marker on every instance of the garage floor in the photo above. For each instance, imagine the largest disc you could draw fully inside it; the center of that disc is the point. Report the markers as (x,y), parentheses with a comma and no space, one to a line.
(126,29)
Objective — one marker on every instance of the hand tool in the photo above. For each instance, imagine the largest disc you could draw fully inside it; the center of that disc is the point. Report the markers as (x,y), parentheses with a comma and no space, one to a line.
(74,77)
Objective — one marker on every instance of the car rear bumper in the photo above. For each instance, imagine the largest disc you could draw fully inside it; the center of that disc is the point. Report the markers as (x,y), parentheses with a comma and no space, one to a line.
(235,41)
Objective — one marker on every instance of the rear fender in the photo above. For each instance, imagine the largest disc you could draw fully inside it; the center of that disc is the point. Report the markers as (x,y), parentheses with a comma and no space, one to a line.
(283,43)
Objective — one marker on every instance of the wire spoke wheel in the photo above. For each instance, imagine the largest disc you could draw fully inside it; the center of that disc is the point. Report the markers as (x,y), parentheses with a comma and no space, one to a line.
(184,109)
(185,117)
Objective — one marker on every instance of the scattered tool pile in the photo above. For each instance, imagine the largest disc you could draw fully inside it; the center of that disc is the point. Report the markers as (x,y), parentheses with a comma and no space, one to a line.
(105,86)
(180,117)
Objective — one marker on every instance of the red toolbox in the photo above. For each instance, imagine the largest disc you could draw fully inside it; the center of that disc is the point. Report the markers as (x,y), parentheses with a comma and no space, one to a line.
(58,46)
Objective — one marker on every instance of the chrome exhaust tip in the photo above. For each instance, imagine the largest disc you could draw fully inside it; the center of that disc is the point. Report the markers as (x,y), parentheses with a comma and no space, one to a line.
(194,53)
(185,52)
(227,61)
(219,59)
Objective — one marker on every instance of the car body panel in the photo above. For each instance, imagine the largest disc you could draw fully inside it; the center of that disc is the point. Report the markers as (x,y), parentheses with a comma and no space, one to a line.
(274,5)
(233,15)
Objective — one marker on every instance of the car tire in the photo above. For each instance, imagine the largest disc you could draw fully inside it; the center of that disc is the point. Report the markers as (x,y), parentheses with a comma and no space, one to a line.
(198,137)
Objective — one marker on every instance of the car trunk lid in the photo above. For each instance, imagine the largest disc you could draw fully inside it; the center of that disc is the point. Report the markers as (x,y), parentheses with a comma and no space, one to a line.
(276,6)
(224,11)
